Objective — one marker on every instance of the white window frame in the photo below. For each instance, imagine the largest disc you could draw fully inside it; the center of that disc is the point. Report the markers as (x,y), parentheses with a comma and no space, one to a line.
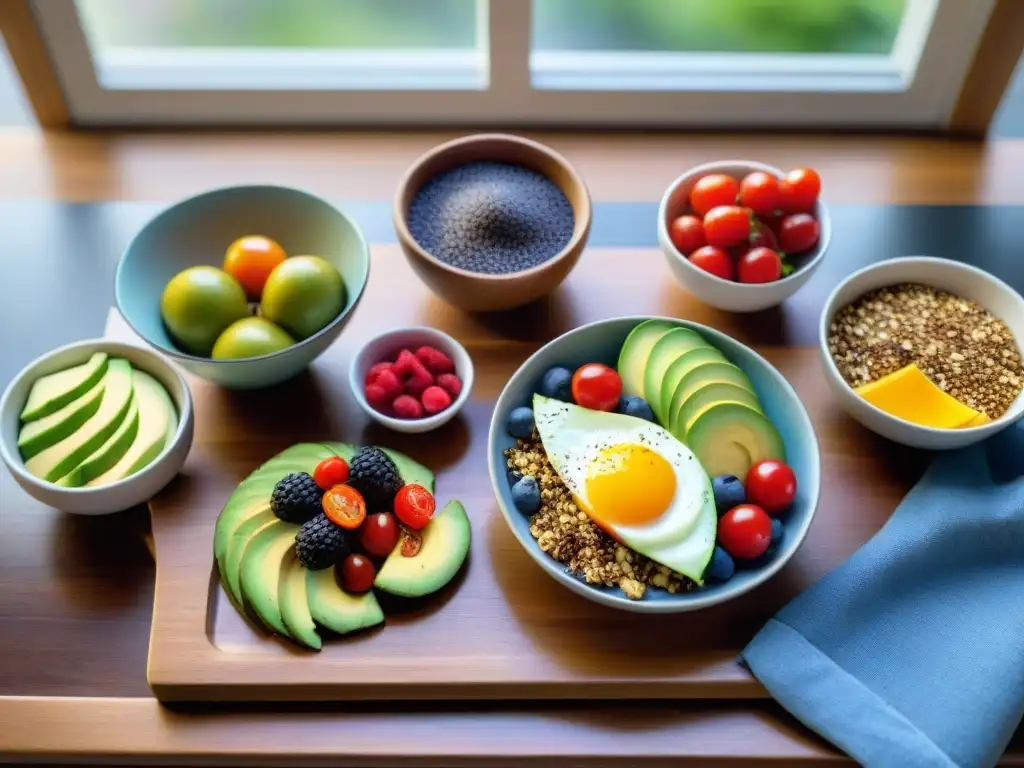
(503,84)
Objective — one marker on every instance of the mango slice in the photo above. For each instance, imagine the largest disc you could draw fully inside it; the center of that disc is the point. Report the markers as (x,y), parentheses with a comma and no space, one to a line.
(910,395)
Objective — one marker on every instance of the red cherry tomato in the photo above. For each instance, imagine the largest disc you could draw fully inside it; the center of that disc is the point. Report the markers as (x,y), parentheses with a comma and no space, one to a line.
(762,236)
(596,386)
(414,505)
(745,531)
(759,191)
(727,225)
(344,506)
(687,233)
(330,472)
(713,260)
(771,485)
(798,232)
(759,265)
(357,574)
(799,190)
(379,534)
(713,190)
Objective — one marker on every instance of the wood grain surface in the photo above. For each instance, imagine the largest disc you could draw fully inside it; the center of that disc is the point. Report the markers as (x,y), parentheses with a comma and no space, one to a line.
(506,630)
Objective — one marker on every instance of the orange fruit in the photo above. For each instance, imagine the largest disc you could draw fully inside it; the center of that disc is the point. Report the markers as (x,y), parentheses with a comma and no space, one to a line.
(250,260)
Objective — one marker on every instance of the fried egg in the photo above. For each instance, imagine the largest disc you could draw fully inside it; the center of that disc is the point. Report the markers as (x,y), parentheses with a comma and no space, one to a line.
(634,480)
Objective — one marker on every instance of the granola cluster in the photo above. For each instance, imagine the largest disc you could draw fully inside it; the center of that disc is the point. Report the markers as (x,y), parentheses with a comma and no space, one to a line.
(564,532)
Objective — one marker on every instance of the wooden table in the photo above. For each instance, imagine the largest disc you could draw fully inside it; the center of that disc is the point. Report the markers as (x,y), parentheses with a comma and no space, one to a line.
(76,594)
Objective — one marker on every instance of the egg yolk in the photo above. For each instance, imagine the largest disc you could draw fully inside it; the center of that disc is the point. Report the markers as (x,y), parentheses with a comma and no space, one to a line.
(629,485)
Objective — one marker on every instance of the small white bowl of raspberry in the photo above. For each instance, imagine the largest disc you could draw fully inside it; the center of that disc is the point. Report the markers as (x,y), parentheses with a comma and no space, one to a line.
(412,380)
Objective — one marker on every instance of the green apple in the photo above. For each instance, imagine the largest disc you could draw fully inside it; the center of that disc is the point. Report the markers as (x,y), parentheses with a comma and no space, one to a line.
(303,294)
(250,337)
(198,304)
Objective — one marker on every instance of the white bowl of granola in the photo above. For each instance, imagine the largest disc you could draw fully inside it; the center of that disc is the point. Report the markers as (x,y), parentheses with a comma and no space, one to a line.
(957,324)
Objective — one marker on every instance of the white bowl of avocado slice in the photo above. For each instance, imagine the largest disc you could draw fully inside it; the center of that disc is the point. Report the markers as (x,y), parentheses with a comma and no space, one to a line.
(96,427)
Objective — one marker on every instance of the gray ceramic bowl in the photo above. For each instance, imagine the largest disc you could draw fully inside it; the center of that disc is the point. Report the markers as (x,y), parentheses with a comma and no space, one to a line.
(199,230)
(103,499)
(601,342)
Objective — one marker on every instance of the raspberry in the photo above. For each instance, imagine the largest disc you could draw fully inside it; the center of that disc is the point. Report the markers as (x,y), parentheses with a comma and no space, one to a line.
(450,383)
(435,360)
(407,407)
(390,383)
(377,397)
(419,380)
(403,364)
(375,370)
(435,400)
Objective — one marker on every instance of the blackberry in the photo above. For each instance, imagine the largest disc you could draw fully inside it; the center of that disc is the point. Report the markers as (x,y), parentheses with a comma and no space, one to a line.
(320,543)
(296,498)
(375,476)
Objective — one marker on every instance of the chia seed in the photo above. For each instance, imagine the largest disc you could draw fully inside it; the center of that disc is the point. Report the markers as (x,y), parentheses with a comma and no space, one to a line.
(491,217)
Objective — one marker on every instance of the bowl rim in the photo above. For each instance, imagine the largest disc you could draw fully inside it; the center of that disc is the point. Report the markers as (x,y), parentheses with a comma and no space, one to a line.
(679,602)
(823,216)
(13,459)
(405,237)
(178,354)
(1012,414)
(428,422)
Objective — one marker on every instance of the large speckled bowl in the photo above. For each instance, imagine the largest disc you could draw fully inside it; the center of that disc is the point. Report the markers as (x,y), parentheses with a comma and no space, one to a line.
(199,230)
(601,342)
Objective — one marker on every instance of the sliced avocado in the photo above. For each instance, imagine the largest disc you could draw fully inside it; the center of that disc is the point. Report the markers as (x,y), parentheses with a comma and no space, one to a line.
(729,438)
(675,373)
(158,421)
(108,454)
(636,350)
(710,394)
(57,460)
(293,599)
(231,574)
(51,393)
(38,435)
(666,350)
(261,568)
(714,371)
(336,609)
(444,546)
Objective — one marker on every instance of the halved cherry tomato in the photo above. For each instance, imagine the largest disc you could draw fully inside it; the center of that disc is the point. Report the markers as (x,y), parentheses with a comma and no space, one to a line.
(330,472)
(798,232)
(771,485)
(759,265)
(250,260)
(713,260)
(357,574)
(759,191)
(745,531)
(799,190)
(687,234)
(344,506)
(713,190)
(412,543)
(596,386)
(414,505)
(727,225)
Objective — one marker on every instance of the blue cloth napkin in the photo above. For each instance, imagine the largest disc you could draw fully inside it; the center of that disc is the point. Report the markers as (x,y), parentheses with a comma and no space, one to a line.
(911,654)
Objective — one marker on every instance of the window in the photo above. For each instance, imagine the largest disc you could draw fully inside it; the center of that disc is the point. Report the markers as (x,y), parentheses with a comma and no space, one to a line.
(509,63)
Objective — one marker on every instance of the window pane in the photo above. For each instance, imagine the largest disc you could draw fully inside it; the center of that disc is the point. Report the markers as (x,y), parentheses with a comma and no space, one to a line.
(340,24)
(739,26)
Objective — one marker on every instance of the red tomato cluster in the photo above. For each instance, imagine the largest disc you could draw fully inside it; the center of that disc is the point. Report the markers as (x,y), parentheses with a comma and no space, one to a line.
(745,531)
(378,534)
(744,230)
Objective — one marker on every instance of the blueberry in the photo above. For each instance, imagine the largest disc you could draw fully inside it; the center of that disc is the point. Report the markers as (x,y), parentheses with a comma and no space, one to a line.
(526,495)
(520,422)
(636,406)
(776,530)
(514,476)
(557,383)
(721,567)
(728,492)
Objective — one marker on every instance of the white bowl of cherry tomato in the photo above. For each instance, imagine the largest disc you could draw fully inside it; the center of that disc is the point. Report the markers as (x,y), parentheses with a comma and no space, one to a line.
(743,236)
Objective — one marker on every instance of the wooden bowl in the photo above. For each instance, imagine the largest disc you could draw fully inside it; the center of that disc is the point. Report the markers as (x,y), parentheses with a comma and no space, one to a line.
(477,291)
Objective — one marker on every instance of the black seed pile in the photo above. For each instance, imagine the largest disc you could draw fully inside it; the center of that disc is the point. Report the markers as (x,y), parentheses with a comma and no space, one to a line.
(491,217)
